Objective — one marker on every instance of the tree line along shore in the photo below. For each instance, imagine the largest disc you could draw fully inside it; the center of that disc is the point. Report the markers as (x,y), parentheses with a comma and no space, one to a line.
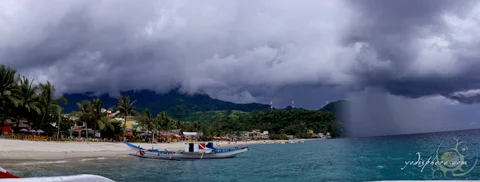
(30,106)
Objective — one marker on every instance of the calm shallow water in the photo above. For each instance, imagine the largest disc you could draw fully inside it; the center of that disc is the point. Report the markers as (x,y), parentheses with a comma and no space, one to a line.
(362,159)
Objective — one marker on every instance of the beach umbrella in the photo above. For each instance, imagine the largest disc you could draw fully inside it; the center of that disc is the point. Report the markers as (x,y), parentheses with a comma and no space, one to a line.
(40,131)
(32,131)
(24,130)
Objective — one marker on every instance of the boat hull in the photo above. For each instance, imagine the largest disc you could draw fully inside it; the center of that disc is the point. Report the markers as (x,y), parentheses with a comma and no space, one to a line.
(189,155)
(211,153)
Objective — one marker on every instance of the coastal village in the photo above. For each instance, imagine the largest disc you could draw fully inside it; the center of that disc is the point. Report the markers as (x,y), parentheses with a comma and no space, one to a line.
(33,112)
(134,132)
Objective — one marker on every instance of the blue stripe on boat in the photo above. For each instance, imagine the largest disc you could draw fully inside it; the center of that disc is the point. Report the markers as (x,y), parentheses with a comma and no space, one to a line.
(166,158)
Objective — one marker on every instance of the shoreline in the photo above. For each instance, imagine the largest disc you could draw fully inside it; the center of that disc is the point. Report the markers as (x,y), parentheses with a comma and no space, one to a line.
(12,150)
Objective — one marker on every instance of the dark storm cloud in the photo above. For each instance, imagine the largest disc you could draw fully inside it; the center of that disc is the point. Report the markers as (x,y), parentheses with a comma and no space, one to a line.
(405,36)
(468,97)
(245,52)
(229,50)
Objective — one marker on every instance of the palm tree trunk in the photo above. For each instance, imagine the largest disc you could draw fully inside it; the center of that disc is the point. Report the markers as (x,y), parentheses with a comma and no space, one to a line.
(43,118)
(86,131)
(58,131)
(153,136)
(124,127)
(147,136)
(17,125)
(2,123)
(94,130)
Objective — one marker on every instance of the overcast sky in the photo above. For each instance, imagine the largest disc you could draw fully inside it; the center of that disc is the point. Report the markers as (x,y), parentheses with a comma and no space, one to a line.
(407,66)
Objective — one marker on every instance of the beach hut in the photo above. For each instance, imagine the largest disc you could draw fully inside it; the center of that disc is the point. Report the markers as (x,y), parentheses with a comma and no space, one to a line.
(6,129)
(190,135)
(40,131)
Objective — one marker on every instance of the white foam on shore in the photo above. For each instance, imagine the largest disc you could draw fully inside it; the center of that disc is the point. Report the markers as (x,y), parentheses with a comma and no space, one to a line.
(90,159)
(41,162)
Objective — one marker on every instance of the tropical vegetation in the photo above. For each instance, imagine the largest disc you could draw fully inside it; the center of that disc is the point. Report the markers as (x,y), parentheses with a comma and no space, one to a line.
(21,99)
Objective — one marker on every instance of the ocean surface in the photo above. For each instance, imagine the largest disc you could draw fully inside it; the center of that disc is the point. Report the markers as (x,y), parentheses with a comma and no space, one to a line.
(360,159)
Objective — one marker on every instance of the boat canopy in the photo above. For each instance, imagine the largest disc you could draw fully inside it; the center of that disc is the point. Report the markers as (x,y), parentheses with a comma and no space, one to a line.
(192,133)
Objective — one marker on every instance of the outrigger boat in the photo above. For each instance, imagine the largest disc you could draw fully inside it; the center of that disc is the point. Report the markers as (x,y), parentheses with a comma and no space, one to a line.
(193,151)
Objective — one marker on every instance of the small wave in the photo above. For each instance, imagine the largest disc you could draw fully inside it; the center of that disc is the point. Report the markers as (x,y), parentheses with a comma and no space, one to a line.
(89,159)
(380,166)
(40,162)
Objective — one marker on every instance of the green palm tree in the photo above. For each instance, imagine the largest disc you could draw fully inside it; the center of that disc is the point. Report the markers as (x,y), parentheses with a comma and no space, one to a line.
(9,95)
(147,121)
(163,121)
(100,119)
(91,113)
(28,101)
(125,108)
(84,111)
(8,87)
(48,103)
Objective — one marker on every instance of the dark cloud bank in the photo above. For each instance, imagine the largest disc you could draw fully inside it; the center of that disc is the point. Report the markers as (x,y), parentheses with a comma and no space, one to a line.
(406,66)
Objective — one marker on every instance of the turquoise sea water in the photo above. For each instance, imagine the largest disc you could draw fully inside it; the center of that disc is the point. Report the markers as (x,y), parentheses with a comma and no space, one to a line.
(360,159)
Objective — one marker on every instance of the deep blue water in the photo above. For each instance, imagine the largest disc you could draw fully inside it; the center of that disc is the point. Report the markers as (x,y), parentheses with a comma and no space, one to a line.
(360,159)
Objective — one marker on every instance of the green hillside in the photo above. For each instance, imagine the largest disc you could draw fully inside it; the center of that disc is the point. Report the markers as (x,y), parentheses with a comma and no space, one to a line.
(337,107)
(215,115)
(190,107)
(279,124)
(175,104)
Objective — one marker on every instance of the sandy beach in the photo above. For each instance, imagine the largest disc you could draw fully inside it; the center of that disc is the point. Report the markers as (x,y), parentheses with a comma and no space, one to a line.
(37,150)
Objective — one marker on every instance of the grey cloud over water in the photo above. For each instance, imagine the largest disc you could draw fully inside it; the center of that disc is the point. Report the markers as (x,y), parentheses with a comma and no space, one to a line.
(248,51)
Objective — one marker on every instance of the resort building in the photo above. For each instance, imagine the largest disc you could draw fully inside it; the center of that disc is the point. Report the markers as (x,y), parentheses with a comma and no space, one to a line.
(254,134)
(9,126)
(130,122)
(109,113)
(310,132)
(6,129)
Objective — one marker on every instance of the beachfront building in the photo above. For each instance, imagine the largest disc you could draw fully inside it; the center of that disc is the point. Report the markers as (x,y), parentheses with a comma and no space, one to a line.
(328,135)
(130,125)
(322,135)
(310,132)
(9,125)
(170,136)
(6,129)
(265,135)
(254,134)
(130,122)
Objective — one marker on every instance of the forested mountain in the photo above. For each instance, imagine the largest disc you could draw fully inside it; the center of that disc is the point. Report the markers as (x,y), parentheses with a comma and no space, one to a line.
(188,108)
(176,105)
